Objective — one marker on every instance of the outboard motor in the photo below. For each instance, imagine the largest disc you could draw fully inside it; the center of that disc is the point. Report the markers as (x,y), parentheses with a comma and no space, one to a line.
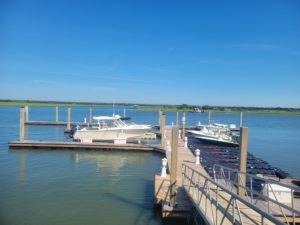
(280,174)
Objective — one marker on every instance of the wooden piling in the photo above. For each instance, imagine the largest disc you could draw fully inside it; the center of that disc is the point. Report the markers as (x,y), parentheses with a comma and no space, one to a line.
(162,131)
(243,159)
(208,117)
(241,119)
(183,125)
(176,118)
(56,114)
(26,113)
(69,119)
(22,130)
(91,115)
(173,172)
(159,119)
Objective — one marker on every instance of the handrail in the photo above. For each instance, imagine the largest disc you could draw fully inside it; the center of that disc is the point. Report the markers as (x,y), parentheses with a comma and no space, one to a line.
(259,178)
(233,177)
(220,188)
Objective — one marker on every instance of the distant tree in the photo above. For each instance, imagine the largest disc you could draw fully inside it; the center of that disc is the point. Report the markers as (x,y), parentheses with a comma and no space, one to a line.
(183,106)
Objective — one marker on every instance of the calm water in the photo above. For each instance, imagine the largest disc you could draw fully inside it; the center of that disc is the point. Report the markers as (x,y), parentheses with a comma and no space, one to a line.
(76,187)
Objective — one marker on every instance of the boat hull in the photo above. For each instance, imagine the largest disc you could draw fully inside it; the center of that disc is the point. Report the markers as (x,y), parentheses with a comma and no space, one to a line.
(217,142)
(110,134)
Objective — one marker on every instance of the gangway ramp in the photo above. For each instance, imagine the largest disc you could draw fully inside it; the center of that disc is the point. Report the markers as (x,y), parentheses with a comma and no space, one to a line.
(217,205)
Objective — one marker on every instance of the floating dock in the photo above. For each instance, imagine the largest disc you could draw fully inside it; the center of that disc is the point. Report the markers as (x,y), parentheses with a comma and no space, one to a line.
(58,123)
(50,145)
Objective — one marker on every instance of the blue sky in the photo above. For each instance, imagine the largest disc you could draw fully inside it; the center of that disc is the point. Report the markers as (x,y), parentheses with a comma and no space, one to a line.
(232,53)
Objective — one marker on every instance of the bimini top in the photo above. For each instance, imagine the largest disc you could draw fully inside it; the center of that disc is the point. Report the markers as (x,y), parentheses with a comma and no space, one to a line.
(114,117)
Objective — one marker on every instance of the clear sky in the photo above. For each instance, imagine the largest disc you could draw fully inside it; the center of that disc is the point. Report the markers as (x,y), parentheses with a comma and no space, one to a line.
(232,53)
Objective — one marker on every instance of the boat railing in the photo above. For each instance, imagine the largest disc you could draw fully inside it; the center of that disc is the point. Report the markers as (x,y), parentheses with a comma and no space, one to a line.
(270,195)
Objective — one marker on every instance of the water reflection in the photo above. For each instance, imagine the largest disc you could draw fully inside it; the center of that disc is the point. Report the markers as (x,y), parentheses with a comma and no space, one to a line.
(56,133)
(109,162)
(21,174)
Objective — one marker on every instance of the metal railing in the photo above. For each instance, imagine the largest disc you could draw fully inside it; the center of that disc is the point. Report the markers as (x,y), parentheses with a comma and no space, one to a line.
(269,195)
(218,205)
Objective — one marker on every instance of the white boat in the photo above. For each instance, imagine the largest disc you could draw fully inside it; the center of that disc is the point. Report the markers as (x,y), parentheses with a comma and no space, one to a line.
(111,129)
(219,135)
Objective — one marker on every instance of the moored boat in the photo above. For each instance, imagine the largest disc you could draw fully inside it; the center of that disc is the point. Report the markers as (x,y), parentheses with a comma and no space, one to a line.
(111,129)
(218,135)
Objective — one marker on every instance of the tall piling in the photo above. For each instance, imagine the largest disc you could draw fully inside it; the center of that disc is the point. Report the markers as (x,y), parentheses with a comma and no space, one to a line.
(69,119)
(22,130)
(173,172)
(183,125)
(243,160)
(56,115)
(162,131)
(241,119)
(26,113)
(159,119)
(176,118)
(91,115)
(208,117)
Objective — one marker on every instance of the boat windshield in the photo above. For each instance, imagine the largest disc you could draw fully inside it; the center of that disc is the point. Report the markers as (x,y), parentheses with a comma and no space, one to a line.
(120,123)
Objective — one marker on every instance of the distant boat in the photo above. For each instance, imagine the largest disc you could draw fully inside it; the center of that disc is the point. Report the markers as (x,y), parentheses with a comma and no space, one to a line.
(198,110)
(219,135)
(111,129)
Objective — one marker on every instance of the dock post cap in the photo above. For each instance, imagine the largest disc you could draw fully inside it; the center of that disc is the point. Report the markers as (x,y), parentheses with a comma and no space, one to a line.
(164,163)
(197,153)
(185,142)
(168,146)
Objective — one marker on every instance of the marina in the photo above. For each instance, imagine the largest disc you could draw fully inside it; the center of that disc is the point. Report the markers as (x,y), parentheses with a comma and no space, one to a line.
(149,113)
(170,189)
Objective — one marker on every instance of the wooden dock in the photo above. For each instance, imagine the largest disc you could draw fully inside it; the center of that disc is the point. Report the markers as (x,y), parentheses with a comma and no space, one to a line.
(183,206)
(50,145)
(58,123)
(214,203)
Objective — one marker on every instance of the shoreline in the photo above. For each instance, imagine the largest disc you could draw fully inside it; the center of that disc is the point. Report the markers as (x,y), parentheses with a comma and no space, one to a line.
(149,108)
(224,111)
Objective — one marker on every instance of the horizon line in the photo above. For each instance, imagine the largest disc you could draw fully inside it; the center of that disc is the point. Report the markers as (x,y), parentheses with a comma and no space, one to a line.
(150,104)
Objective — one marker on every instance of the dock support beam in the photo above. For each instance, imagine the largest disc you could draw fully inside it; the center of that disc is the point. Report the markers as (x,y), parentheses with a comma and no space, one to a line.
(183,126)
(243,160)
(69,119)
(91,115)
(22,130)
(162,131)
(173,173)
(241,119)
(56,115)
(208,117)
(176,118)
